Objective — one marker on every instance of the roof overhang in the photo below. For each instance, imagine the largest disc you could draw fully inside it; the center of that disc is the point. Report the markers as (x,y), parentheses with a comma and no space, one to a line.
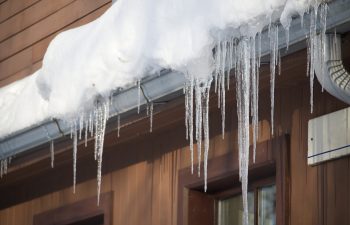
(167,86)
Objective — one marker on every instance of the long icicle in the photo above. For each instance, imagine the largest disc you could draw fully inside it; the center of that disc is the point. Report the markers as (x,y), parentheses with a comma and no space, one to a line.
(254,95)
(189,86)
(151,117)
(52,153)
(205,96)
(75,147)
(273,35)
(243,78)
(103,115)
(199,122)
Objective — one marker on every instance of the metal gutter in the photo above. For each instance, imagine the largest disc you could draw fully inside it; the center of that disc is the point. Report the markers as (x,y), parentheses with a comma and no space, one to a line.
(168,85)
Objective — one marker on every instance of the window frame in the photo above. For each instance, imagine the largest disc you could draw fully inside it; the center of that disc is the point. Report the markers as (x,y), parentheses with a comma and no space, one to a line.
(272,160)
(78,211)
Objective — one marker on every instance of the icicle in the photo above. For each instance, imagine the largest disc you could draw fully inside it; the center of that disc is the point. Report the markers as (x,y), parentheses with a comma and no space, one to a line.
(219,74)
(256,112)
(287,37)
(71,130)
(52,152)
(118,128)
(302,20)
(138,95)
(199,121)
(81,125)
(5,166)
(101,120)
(243,102)
(205,96)
(223,108)
(259,49)
(91,125)
(279,63)
(86,132)
(273,34)
(75,147)
(1,168)
(217,64)
(239,105)
(222,84)
(254,94)
(96,117)
(323,24)
(189,112)
(312,55)
(151,117)
(186,109)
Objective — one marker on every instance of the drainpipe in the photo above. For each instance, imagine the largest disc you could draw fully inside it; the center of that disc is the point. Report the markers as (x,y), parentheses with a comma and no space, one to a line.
(332,75)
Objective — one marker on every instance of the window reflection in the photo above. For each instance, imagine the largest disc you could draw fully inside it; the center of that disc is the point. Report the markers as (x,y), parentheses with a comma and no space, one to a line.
(267,205)
(231,210)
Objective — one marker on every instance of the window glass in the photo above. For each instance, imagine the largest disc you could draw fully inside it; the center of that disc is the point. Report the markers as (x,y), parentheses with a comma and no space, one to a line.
(230,211)
(267,205)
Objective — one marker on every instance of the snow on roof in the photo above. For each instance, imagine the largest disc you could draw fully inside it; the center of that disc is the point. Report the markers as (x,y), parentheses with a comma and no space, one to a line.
(136,37)
(131,39)
(21,105)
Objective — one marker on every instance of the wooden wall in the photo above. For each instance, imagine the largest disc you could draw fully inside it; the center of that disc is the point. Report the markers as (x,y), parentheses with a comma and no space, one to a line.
(144,172)
(28,26)
(145,186)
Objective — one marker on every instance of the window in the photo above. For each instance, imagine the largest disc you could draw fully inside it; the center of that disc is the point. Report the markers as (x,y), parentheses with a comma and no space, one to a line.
(261,207)
(230,210)
(84,212)
(269,186)
(95,220)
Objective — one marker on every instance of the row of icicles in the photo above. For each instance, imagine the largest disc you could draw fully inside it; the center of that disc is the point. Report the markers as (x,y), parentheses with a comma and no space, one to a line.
(243,57)
(239,55)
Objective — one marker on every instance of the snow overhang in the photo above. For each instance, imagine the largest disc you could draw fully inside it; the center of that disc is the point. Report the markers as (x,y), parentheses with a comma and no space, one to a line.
(166,86)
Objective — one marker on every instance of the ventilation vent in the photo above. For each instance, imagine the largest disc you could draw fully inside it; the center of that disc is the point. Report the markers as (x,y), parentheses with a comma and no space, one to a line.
(329,137)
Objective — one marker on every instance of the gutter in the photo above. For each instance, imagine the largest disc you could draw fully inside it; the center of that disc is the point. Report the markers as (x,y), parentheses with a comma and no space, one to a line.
(167,85)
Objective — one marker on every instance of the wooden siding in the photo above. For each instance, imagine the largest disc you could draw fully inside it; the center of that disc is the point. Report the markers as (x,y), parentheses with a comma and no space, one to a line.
(142,169)
(28,26)
(145,170)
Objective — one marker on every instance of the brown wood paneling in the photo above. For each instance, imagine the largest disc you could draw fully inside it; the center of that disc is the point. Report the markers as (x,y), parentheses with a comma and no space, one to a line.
(10,8)
(79,211)
(201,208)
(51,24)
(30,16)
(29,60)
(30,45)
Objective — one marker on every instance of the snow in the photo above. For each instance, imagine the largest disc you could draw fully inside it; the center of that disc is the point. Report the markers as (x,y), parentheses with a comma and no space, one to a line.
(132,39)
(18,97)
(135,38)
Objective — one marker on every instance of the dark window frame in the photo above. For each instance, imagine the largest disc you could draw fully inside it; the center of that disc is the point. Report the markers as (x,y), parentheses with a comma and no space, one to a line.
(78,211)
(273,160)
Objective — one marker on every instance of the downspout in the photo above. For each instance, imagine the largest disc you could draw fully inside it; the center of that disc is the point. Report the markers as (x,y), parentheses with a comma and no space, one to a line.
(332,75)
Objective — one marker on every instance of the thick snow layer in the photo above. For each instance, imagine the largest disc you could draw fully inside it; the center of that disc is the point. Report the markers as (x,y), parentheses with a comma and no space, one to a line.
(21,105)
(131,39)
(137,37)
